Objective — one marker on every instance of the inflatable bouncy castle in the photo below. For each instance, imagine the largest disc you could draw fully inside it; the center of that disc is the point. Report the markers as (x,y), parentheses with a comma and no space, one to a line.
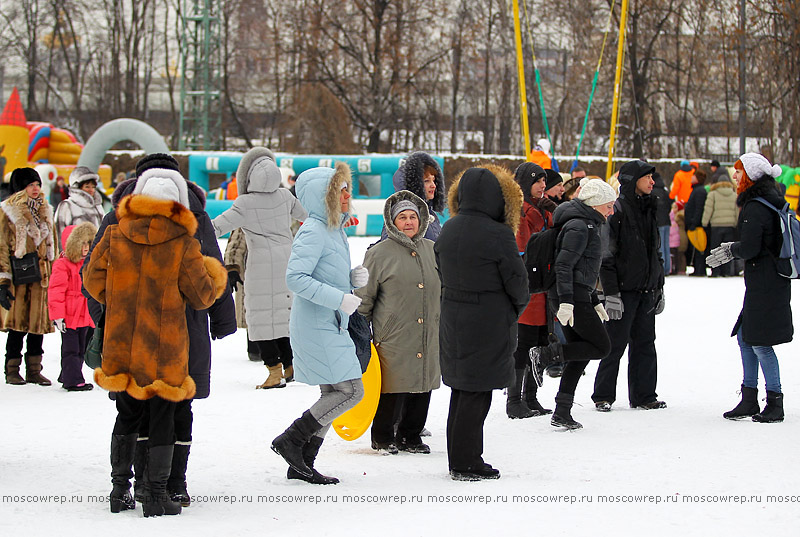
(50,150)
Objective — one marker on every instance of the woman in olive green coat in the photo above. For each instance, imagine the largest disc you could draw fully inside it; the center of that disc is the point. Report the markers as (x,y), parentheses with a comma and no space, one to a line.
(402,300)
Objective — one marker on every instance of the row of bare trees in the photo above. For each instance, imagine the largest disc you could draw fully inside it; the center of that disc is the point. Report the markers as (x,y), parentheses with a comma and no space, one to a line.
(394,75)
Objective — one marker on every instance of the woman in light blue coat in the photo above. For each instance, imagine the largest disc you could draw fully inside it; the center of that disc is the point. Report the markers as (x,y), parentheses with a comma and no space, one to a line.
(319,275)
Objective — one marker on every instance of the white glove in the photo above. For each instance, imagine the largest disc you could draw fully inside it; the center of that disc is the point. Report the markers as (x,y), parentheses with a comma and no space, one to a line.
(720,255)
(359,276)
(601,312)
(565,315)
(350,303)
(614,307)
(60,325)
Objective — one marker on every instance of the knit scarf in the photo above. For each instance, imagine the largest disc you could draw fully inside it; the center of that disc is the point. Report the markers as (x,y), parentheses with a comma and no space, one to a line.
(35,204)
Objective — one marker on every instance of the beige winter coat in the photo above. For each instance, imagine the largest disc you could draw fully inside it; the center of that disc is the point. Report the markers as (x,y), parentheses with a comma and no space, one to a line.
(720,209)
(19,235)
(236,259)
(402,299)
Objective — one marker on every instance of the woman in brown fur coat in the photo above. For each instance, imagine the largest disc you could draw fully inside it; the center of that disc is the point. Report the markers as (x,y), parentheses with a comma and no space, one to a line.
(145,270)
(26,225)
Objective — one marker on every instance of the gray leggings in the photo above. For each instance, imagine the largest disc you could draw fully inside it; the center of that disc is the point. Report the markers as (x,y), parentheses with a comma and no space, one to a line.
(336,399)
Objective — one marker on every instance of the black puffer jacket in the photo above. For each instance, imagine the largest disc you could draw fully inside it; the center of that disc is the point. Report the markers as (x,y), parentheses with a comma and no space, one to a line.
(693,212)
(580,253)
(222,313)
(766,317)
(663,203)
(484,283)
(632,260)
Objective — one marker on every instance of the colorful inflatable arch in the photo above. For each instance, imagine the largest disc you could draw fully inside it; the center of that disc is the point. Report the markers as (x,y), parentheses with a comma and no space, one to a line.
(47,144)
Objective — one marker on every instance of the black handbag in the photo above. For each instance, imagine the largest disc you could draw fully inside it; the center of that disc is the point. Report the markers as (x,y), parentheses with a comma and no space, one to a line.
(94,350)
(25,269)
(360,333)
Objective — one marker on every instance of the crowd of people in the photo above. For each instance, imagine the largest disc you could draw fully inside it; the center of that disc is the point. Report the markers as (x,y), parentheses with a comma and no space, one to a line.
(447,303)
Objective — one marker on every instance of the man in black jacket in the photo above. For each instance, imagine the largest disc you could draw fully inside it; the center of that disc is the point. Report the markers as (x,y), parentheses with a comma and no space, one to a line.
(632,275)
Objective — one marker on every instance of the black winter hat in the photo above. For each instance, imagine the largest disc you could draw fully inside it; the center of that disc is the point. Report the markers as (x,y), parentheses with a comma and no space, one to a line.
(157,160)
(715,163)
(634,170)
(22,177)
(553,178)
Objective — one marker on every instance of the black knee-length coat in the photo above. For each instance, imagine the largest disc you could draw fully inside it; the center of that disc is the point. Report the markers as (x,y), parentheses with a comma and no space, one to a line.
(484,283)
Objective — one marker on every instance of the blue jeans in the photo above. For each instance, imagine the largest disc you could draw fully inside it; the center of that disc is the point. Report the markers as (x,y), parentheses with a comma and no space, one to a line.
(752,356)
(663,232)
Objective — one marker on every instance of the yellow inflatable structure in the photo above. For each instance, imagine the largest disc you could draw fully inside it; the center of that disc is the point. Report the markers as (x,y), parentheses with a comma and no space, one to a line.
(355,422)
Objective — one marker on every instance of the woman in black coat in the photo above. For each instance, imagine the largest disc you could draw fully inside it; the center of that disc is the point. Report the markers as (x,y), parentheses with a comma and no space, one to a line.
(693,214)
(574,297)
(484,290)
(766,317)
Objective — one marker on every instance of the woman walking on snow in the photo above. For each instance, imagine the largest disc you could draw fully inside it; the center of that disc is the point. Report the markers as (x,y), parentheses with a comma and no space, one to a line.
(319,275)
(574,297)
(766,317)
(264,211)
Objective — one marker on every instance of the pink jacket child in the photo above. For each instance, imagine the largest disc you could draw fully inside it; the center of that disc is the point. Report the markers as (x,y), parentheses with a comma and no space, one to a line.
(67,305)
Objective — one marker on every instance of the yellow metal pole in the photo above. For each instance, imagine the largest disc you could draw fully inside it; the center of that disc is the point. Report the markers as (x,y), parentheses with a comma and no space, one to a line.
(617,80)
(523,96)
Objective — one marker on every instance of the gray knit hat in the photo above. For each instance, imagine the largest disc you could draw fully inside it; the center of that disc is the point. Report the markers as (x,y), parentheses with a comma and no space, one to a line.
(404,205)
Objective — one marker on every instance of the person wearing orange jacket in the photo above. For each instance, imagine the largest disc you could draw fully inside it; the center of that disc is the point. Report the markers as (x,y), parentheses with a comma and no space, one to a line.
(682,183)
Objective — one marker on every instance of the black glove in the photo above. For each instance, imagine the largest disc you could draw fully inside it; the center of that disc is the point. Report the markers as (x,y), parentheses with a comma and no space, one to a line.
(5,296)
(660,302)
(233,279)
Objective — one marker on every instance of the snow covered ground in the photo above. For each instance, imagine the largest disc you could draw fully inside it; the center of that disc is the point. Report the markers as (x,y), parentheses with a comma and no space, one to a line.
(684,470)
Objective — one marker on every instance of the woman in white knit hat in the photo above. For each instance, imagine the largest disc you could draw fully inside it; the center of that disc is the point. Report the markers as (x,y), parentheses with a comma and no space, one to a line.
(574,297)
(766,317)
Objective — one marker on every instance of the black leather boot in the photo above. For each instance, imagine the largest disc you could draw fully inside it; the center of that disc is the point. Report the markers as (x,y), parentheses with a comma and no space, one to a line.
(140,469)
(310,451)
(176,484)
(289,444)
(747,407)
(562,416)
(773,412)
(529,391)
(156,501)
(122,449)
(515,408)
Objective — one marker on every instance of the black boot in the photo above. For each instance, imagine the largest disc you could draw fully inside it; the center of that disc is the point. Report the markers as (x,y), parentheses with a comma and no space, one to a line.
(176,484)
(122,449)
(773,412)
(515,408)
(140,469)
(289,444)
(529,390)
(562,416)
(157,502)
(310,451)
(543,357)
(747,407)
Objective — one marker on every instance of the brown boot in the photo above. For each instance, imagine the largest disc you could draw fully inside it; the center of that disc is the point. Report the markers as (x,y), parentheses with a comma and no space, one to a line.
(12,372)
(33,371)
(274,380)
(288,373)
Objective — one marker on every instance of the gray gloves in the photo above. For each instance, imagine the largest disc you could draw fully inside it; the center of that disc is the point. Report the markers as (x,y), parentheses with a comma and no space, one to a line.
(359,276)
(720,255)
(614,307)
(350,303)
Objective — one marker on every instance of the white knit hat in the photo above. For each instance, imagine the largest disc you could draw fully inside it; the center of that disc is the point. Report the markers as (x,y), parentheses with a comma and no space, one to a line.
(757,166)
(597,192)
(163,183)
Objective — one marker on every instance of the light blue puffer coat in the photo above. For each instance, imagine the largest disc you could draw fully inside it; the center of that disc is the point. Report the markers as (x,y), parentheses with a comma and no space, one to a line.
(319,276)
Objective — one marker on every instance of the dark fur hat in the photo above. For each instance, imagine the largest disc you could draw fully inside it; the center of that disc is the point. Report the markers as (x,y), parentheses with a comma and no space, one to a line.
(22,177)
(157,160)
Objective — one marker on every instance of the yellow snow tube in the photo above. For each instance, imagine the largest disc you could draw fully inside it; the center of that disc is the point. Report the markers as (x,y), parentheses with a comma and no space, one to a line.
(355,422)
(697,237)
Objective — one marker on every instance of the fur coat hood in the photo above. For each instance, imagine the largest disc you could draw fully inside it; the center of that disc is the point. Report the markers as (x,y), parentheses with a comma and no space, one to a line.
(318,190)
(74,237)
(411,176)
(488,189)
(424,217)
